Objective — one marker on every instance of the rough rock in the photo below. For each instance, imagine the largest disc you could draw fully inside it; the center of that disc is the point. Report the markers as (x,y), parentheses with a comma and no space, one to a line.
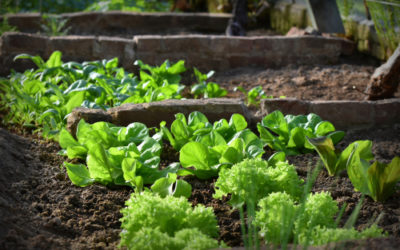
(153,113)
(89,115)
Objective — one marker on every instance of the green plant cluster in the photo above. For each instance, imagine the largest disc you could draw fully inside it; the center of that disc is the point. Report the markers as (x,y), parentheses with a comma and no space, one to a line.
(281,219)
(288,133)
(46,96)
(377,180)
(151,222)
(130,5)
(158,215)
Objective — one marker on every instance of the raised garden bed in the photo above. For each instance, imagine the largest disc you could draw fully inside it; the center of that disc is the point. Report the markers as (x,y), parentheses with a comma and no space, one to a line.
(58,214)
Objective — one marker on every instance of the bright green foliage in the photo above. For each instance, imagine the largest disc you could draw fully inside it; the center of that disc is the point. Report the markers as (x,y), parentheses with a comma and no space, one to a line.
(288,133)
(114,155)
(171,186)
(205,148)
(168,218)
(377,180)
(45,96)
(253,179)
(130,5)
(54,25)
(185,239)
(207,90)
(254,95)
(336,161)
(322,235)
(6,27)
(282,220)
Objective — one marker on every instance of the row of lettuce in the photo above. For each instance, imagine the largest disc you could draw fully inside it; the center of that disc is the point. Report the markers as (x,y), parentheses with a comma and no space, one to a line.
(279,206)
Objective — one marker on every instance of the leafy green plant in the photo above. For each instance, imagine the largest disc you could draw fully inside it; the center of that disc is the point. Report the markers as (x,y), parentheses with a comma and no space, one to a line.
(378,180)
(54,25)
(207,90)
(151,222)
(266,177)
(5,26)
(314,225)
(114,155)
(170,185)
(130,5)
(205,148)
(254,95)
(45,96)
(288,133)
(336,161)
(197,128)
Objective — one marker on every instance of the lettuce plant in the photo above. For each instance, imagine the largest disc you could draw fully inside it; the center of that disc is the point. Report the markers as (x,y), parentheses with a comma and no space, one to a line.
(114,155)
(288,133)
(281,219)
(205,148)
(45,96)
(335,160)
(377,180)
(150,221)
(207,90)
(254,179)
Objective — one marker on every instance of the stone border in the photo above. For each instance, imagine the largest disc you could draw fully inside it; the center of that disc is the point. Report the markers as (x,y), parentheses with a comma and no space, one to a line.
(127,24)
(343,114)
(206,52)
(153,113)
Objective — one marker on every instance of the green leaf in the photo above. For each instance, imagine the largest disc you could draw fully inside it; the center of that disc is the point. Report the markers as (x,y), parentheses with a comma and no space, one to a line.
(195,154)
(135,132)
(54,60)
(74,101)
(323,128)
(36,59)
(357,169)
(99,165)
(238,122)
(276,122)
(171,186)
(326,150)
(383,179)
(78,174)
(276,157)
(66,139)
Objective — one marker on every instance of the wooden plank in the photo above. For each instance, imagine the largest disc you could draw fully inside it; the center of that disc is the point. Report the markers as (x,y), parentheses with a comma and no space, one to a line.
(325,16)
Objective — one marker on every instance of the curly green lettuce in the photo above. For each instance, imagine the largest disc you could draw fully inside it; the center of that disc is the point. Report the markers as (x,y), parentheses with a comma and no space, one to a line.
(254,179)
(170,221)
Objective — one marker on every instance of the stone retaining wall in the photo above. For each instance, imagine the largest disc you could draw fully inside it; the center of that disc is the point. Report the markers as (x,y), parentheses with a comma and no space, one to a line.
(206,52)
(127,24)
(343,114)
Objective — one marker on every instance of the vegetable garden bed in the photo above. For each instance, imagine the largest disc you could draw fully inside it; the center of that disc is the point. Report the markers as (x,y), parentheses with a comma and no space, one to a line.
(57,214)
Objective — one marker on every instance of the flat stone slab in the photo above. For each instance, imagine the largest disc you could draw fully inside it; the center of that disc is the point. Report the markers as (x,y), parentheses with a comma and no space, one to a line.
(153,113)
(205,52)
(325,16)
(343,114)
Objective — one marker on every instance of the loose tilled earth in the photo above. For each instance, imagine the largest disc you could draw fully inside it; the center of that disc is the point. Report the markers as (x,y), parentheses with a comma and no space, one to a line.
(41,209)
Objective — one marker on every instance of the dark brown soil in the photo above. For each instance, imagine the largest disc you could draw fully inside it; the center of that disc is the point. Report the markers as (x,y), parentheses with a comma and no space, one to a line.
(41,209)
(345,81)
